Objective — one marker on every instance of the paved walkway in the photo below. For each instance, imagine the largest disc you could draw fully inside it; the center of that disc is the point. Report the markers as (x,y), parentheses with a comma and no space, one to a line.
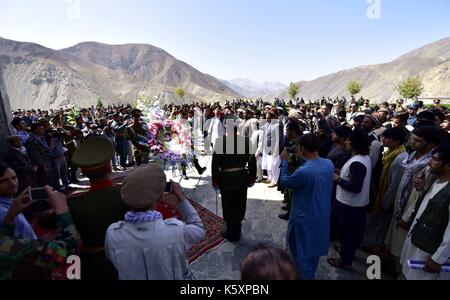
(261,225)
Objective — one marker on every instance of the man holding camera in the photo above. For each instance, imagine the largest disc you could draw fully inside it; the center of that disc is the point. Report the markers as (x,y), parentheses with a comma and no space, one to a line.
(144,246)
(8,189)
(22,255)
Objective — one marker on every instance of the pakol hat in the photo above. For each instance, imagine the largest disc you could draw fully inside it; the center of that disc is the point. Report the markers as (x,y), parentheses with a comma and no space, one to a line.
(144,186)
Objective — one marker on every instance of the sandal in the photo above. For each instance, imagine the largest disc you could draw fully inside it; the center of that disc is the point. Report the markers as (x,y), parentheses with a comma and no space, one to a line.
(337,263)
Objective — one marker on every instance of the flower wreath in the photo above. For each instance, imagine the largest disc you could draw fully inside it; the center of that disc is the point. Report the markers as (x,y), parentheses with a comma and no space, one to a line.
(169,140)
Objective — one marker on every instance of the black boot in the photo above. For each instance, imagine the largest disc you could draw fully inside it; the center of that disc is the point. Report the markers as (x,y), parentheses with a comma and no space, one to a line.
(73,176)
(237,232)
(233,233)
(197,166)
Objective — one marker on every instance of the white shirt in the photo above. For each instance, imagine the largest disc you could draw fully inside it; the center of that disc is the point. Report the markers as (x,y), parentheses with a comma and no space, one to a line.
(216,130)
(362,198)
(154,250)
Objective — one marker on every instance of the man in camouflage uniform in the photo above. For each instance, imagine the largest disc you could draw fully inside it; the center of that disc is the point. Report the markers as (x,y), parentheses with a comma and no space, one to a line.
(35,259)
(293,134)
(137,134)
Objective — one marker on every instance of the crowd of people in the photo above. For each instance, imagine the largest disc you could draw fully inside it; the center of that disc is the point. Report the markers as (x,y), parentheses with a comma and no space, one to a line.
(365,176)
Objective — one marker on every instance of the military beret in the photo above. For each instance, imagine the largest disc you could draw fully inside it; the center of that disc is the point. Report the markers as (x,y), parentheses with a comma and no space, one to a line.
(94,152)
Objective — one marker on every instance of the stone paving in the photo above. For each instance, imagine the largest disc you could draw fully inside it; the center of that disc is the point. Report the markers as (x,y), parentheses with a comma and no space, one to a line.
(261,225)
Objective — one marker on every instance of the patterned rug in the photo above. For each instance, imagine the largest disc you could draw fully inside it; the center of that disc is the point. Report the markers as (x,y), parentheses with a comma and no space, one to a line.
(214,225)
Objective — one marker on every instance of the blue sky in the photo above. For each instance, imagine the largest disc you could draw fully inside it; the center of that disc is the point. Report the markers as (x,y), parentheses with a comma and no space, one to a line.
(277,40)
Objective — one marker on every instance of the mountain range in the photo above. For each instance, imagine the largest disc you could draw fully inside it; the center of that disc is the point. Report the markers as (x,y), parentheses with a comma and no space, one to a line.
(40,77)
(379,82)
(250,89)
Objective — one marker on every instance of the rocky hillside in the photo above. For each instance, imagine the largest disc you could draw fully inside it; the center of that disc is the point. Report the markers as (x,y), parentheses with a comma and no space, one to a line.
(379,82)
(40,77)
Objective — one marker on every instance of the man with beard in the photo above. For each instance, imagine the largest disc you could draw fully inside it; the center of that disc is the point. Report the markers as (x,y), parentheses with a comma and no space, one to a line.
(324,133)
(137,134)
(292,145)
(338,153)
(120,129)
(40,155)
(353,112)
(369,124)
(429,238)
(325,111)
(247,124)
(18,160)
(423,141)
(309,228)
(352,198)
(381,215)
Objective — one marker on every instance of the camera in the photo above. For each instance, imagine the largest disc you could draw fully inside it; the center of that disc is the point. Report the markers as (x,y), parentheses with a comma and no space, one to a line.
(168,188)
(37,195)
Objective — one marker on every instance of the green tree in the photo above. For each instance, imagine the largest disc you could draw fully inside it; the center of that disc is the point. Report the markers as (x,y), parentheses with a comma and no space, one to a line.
(411,87)
(293,90)
(72,115)
(99,103)
(353,87)
(180,92)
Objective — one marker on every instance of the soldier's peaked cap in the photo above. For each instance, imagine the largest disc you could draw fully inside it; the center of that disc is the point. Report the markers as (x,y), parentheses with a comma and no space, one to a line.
(94,152)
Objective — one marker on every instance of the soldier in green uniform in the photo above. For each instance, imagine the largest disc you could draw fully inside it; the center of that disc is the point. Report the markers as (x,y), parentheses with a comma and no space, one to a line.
(233,172)
(26,259)
(93,212)
(293,134)
(137,134)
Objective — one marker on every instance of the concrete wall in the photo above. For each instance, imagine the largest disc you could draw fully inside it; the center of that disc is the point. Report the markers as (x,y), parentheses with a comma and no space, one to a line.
(5,116)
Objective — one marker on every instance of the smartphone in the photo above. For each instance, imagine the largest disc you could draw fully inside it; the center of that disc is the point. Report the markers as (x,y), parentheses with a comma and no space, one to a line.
(168,188)
(39,194)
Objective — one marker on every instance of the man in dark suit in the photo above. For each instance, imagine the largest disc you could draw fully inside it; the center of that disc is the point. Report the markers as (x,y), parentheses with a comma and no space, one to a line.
(40,155)
(17,159)
(233,172)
